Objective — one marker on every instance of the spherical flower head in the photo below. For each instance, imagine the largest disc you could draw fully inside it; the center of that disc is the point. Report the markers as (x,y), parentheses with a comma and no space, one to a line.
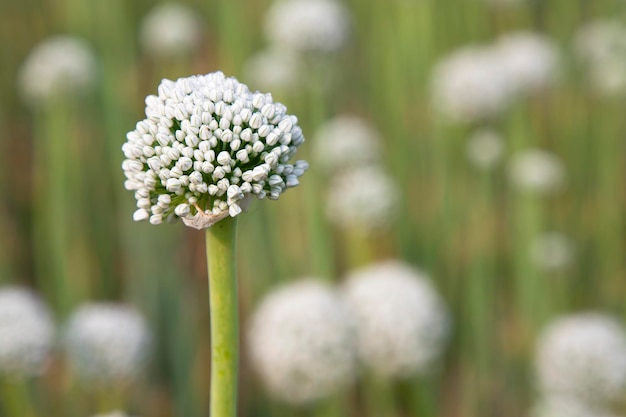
(273,69)
(471,85)
(206,147)
(346,142)
(26,333)
(170,30)
(531,60)
(555,406)
(485,148)
(321,26)
(601,47)
(537,171)
(107,342)
(363,198)
(57,67)
(552,251)
(301,341)
(402,324)
(582,356)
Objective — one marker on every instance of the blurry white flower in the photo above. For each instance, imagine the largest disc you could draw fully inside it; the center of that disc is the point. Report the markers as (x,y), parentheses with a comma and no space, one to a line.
(556,406)
(471,85)
(26,333)
(601,47)
(170,29)
(530,59)
(552,251)
(302,343)
(537,170)
(363,197)
(272,69)
(485,148)
(58,66)
(346,142)
(402,324)
(308,25)
(582,357)
(107,342)
(206,147)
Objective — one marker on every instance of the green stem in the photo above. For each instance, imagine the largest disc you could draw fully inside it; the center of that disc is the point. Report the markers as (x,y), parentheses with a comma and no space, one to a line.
(220,245)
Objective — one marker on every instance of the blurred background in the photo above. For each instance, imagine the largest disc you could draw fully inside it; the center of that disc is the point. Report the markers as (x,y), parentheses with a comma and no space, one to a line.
(479,141)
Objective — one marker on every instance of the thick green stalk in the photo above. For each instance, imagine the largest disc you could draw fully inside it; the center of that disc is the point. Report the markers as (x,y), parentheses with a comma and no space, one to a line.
(220,246)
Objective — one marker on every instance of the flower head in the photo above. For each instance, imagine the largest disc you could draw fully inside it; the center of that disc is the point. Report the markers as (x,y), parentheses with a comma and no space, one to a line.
(346,142)
(301,341)
(307,25)
(530,59)
(26,333)
(107,342)
(552,251)
(206,146)
(170,29)
(58,66)
(471,85)
(363,197)
(555,406)
(583,357)
(485,148)
(402,324)
(537,170)
(273,69)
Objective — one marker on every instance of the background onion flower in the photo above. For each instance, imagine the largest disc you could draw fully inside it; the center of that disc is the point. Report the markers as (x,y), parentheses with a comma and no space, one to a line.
(567,407)
(402,324)
(552,251)
(484,148)
(301,340)
(26,333)
(345,142)
(170,29)
(308,25)
(273,69)
(107,342)
(207,145)
(582,357)
(58,66)
(537,170)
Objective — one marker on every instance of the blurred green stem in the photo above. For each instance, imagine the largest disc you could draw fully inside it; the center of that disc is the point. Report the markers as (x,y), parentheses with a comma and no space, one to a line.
(220,246)
(15,399)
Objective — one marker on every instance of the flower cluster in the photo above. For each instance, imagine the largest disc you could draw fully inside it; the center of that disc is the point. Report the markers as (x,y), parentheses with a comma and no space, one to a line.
(107,342)
(206,146)
(537,171)
(583,358)
(484,148)
(302,343)
(273,69)
(402,324)
(58,66)
(552,251)
(26,333)
(170,29)
(567,407)
(307,25)
(477,83)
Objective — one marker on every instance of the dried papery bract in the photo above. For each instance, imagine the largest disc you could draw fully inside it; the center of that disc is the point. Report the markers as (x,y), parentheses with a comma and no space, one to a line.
(26,333)
(402,323)
(302,343)
(583,357)
(107,343)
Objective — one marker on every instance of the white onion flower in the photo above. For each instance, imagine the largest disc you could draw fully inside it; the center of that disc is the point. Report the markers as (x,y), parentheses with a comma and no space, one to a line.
(107,342)
(537,170)
(170,29)
(471,85)
(531,60)
(601,46)
(58,66)
(207,146)
(552,251)
(308,25)
(485,148)
(363,197)
(301,341)
(556,406)
(346,142)
(273,69)
(582,357)
(26,333)
(402,324)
